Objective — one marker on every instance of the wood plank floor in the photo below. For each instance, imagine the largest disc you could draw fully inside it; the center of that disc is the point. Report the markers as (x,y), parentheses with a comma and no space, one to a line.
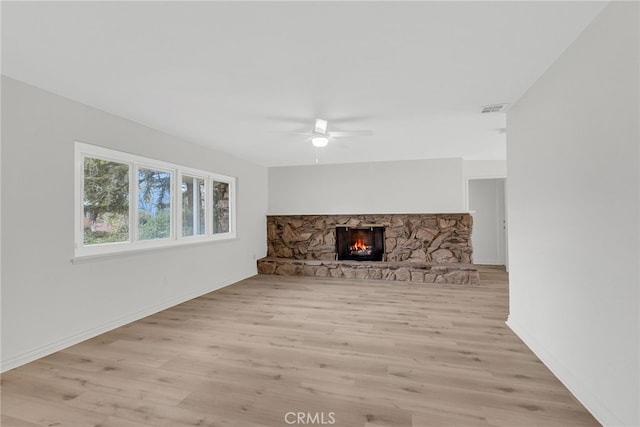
(358,353)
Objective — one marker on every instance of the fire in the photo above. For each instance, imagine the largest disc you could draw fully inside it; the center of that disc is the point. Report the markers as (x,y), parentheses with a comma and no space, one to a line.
(358,246)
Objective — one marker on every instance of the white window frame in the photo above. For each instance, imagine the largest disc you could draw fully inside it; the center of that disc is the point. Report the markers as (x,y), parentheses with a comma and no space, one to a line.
(135,162)
(194,173)
(136,193)
(232,204)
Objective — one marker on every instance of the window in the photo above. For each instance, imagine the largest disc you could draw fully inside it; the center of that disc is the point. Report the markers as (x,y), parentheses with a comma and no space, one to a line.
(194,202)
(126,202)
(105,201)
(220,195)
(154,204)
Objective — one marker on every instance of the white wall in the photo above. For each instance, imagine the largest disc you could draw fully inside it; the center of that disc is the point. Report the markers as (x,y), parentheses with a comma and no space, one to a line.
(414,186)
(484,168)
(573,191)
(486,202)
(49,303)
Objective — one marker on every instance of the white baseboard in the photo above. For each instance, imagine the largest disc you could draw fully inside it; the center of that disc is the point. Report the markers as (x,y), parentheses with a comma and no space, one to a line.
(487,262)
(47,349)
(572,382)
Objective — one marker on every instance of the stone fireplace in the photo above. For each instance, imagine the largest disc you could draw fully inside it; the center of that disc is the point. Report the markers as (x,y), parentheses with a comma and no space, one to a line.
(360,243)
(422,248)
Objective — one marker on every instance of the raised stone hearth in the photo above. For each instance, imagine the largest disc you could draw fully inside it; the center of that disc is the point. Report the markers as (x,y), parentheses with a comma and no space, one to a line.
(427,248)
(464,274)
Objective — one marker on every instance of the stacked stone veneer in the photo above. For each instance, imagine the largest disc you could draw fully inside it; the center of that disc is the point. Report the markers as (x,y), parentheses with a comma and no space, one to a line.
(428,248)
(462,274)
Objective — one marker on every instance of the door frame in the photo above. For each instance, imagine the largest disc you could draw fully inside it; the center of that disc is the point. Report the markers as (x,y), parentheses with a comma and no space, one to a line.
(503,229)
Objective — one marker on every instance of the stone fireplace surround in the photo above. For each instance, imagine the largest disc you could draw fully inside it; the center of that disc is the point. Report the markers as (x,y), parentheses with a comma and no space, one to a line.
(424,248)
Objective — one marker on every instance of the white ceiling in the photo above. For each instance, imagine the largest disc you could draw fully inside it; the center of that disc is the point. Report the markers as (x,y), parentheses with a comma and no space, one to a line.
(226,75)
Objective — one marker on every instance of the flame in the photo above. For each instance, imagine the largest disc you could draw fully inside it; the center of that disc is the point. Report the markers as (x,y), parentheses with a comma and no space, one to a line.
(359,246)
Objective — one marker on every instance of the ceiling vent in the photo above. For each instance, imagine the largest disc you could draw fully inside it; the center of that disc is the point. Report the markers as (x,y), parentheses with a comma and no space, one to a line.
(493,108)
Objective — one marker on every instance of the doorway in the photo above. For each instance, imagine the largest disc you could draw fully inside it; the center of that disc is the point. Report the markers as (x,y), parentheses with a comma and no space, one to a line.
(487,204)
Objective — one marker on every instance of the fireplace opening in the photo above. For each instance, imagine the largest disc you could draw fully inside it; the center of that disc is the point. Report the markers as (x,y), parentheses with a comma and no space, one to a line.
(360,243)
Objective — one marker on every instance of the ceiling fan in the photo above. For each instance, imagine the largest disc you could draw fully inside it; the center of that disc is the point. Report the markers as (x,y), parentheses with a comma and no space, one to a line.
(320,136)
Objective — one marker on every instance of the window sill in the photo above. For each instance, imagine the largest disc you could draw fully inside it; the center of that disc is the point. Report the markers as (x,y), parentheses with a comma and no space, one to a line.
(121,253)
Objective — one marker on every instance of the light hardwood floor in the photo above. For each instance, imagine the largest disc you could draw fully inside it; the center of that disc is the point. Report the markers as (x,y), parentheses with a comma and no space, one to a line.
(359,353)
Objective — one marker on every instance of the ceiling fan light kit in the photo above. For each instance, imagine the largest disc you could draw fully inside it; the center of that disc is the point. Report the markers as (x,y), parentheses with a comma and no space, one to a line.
(319,141)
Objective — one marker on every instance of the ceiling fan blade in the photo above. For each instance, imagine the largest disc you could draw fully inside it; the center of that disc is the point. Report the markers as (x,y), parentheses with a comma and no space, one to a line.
(291,133)
(321,126)
(350,133)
